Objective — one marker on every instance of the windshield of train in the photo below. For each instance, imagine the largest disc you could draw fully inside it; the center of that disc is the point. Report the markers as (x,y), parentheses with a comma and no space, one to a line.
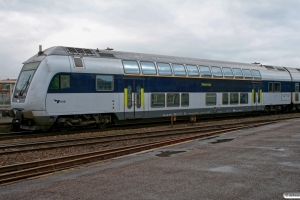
(25,77)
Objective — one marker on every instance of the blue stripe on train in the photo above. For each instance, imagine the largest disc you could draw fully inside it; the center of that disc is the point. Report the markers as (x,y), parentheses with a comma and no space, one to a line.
(86,83)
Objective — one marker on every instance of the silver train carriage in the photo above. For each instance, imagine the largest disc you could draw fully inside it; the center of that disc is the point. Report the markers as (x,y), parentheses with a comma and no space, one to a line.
(67,87)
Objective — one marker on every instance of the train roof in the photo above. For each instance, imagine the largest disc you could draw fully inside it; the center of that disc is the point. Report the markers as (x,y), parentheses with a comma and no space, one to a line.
(71,51)
(267,72)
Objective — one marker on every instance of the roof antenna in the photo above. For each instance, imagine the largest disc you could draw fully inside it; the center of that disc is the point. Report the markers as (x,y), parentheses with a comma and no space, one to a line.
(40,50)
(109,49)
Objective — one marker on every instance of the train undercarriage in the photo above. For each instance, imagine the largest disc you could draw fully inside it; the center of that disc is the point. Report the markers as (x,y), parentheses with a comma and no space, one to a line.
(66,122)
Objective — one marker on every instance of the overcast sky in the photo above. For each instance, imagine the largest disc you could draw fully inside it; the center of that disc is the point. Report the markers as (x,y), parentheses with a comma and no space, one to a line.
(265,31)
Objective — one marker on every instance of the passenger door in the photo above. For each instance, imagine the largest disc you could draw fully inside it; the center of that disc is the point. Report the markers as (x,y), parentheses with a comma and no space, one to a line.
(256,97)
(134,98)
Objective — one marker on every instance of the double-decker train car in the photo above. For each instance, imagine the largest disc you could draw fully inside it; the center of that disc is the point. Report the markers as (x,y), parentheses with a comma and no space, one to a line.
(68,87)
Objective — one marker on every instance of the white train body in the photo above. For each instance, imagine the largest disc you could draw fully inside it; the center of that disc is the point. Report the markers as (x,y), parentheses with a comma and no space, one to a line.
(65,86)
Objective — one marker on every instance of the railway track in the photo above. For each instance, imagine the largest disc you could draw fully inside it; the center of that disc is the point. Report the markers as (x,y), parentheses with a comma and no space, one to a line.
(31,134)
(21,147)
(26,170)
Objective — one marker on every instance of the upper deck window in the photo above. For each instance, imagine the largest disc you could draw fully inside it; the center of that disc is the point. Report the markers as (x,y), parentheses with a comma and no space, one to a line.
(256,74)
(178,70)
(164,69)
(148,68)
(227,72)
(205,71)
(216,72)
(238,73)
(192,70)
(247,73)
(131,67)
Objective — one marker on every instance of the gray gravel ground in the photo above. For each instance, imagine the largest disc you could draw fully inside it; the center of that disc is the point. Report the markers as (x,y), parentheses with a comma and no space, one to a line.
(257,163)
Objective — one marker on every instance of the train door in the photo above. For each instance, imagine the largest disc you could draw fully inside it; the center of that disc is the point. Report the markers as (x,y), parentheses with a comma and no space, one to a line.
(134,98)
(256,97)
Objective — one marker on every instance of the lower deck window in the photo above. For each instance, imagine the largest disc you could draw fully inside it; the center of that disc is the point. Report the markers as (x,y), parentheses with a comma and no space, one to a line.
(244,98)
(157,100)
(211,99)
(225,98)
(173,100)
(234,98)
(185,99)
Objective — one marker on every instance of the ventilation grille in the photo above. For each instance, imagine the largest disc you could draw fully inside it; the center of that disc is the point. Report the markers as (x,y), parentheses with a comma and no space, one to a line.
(79,51)
(78,62)
(269,67)
(281,69)
(107,55)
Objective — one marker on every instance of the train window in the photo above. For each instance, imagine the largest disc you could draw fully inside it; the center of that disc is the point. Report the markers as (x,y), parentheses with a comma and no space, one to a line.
(205,71)
(256,74)
(148,68)
(65,81)
(192,70)
(238,73)
(60,81)
(131,67)
(234,98)
(164,69)
(217,72)
(277,87)
(225,98)
(157,100)
(211,99)
(104,83)
(227,72)
(178,70)
(5,86)
(247,73)
(172,100)
(270,87)
(31,66)
(185,99)
(244,98)
(296,87)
